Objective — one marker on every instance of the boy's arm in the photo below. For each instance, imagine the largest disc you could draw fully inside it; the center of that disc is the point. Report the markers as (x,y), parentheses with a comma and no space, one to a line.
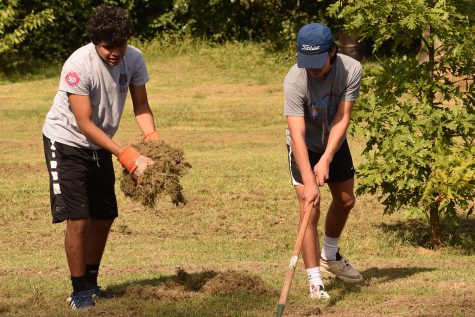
(340,123)
(143,113)
(296,126)
(129,157)
(82,110)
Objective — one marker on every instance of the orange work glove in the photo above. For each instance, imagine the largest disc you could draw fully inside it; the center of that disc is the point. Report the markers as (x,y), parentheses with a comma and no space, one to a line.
(152,136)
(128,158)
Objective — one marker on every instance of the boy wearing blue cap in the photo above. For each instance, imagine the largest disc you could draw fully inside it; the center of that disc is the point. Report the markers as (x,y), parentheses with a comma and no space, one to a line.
(319,93)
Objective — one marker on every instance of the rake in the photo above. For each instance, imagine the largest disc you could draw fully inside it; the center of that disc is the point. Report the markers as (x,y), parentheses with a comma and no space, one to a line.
(293,262)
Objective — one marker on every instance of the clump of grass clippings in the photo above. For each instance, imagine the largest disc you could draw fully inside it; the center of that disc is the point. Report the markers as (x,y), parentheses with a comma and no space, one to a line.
(233,282)
(160,178)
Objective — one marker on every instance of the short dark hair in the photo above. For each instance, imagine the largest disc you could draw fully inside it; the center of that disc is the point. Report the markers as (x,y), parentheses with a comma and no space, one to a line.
(109,24)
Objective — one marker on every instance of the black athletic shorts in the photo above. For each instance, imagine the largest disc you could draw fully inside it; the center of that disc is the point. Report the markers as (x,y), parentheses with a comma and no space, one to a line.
(81,182)
(341,167)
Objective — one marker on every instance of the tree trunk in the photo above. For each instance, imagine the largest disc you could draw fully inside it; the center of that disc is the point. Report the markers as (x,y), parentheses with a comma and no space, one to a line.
(435,231)
(351,46)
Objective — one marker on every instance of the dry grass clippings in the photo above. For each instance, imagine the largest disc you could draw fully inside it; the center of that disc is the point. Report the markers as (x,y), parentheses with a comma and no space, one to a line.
(161,178)
(184,284)
(232,282)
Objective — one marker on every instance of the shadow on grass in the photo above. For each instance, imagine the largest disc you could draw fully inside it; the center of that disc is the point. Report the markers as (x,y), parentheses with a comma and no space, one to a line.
(340,289)
(460,235)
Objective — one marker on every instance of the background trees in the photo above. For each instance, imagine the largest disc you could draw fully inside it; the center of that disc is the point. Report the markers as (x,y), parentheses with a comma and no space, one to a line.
(50,30)
(16,23)
(417,110)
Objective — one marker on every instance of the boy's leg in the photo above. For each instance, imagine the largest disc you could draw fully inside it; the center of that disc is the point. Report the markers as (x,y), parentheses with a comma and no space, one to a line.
(75,243)
(103,208)
(311,249)
(85,242)
(310,243)
(341,184)
(343,200)
(68,168)
(98,232)
(342,203)
(96,242)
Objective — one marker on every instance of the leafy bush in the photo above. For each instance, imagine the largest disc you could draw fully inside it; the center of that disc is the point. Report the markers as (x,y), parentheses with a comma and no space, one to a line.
(16,24)
(418,111)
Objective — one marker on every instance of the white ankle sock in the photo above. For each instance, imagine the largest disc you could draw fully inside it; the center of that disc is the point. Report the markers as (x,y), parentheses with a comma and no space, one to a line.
(314,277)
(330,248)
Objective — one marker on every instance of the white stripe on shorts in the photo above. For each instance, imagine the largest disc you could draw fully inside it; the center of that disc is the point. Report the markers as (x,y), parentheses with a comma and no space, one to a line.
(53,166)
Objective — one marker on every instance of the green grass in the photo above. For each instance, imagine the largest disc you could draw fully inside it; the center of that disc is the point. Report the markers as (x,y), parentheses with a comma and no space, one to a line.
(223,106)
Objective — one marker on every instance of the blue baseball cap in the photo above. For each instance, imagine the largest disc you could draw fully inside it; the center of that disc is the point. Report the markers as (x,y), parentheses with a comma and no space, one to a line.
(314,40)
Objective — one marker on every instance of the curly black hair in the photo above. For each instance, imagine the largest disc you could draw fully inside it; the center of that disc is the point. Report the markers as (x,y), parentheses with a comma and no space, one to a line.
(109,24)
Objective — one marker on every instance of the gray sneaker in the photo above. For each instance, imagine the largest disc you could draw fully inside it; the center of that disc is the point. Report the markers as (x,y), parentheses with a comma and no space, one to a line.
(342,269)
(318,292)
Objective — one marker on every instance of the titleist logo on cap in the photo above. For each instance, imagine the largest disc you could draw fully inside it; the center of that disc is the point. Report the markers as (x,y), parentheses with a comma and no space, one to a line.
(306,47)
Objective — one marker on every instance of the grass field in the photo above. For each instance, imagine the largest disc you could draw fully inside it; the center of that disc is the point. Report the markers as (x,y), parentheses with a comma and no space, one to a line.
(227,251)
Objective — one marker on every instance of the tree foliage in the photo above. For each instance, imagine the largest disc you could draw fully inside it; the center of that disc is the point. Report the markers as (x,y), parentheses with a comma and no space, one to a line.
(50,30)
(16,24)
(418,111)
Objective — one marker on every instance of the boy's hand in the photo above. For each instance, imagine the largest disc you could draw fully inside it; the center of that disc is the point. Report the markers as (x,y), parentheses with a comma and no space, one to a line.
(142,163)
(127,158)
(322,171)
(152,136)
(311,194)
(134,162)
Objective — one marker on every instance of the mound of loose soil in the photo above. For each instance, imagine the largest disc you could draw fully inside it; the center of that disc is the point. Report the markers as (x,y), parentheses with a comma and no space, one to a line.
(184,284)
(155,292)
(160,178)
(232,282)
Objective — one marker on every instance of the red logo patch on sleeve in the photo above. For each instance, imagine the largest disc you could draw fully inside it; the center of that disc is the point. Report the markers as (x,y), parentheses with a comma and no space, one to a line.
(72,79)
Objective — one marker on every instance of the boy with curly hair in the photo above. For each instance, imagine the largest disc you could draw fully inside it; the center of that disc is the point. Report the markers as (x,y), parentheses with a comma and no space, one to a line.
(78,144)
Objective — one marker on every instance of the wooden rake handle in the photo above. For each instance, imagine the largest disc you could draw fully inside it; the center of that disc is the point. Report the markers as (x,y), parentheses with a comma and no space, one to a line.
(293,262)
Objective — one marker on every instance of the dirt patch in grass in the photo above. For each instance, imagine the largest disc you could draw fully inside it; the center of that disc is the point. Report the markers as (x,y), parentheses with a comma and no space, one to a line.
(183,285)
(148,292)
(231,282)
(161,178)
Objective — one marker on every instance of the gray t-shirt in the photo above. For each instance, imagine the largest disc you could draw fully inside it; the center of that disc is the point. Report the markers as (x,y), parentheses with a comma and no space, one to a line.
(317,99)
(84,73)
